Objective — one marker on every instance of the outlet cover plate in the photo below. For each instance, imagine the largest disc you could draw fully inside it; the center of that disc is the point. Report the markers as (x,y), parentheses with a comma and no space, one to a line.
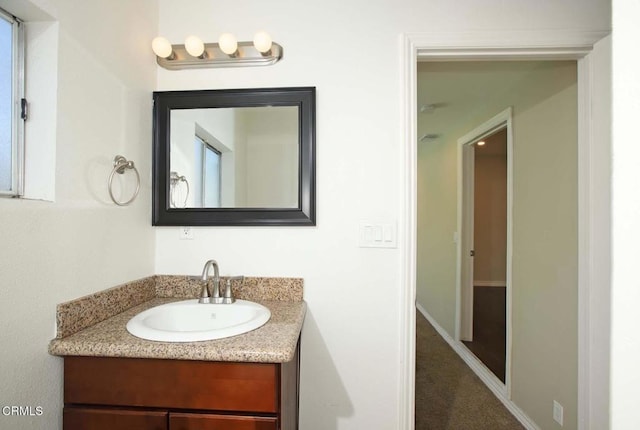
(558,412)
(186,233)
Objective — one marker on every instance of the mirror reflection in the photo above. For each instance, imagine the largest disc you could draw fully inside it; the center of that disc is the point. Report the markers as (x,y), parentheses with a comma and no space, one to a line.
(241,157)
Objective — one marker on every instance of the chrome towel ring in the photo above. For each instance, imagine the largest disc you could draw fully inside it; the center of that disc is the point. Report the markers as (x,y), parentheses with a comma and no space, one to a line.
(120,164)
(175,181)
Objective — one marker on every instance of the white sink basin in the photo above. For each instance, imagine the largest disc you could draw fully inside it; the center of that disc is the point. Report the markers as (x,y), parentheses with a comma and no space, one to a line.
(190,321)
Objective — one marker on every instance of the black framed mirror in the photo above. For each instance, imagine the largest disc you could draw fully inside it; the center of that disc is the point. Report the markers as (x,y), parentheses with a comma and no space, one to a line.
(234,157)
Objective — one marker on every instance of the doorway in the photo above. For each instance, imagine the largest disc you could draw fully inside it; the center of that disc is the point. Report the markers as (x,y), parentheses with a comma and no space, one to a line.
(537,90)
(486,242)
(592,52)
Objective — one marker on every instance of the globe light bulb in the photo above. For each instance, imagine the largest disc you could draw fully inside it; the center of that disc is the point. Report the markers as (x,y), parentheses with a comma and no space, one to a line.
(262,41)
(194,46)
(228,43)
(161,47)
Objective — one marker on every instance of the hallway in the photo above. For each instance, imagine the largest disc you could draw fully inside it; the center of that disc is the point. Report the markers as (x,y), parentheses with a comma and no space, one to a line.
(449,396)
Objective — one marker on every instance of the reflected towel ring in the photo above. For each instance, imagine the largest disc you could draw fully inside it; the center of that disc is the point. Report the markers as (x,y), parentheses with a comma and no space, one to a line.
(119,165)
(175,179)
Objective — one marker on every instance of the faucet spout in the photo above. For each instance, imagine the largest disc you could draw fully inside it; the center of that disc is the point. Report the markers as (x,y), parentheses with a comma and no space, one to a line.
(214,295)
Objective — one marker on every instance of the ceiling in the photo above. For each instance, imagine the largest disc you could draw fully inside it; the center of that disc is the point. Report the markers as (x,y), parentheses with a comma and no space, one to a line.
(457,88)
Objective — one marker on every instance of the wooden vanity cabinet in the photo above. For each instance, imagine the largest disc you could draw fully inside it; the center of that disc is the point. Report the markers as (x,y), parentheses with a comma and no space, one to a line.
(109,419)
(180,421)
(154,394)
(87,418)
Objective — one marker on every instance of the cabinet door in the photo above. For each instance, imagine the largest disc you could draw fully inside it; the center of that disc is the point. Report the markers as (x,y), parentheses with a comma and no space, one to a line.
(179,421)
(110,419)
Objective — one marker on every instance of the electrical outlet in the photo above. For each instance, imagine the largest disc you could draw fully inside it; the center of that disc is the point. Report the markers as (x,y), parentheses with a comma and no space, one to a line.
(558,412)
(186,233)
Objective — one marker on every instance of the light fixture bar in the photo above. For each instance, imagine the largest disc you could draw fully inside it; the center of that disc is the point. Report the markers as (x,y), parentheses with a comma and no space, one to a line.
(246,55)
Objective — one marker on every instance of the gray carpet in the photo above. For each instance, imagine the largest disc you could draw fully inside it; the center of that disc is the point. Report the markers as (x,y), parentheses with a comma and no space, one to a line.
(449,396)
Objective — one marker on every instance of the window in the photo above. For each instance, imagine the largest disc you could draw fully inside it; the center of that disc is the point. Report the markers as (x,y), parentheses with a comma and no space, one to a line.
(207,192)
(12,105)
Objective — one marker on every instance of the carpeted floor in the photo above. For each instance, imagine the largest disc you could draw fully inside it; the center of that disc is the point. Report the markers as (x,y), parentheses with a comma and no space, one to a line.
(449,396)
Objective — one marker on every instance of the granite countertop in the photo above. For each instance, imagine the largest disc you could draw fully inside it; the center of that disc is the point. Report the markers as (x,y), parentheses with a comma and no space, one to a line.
(274,342)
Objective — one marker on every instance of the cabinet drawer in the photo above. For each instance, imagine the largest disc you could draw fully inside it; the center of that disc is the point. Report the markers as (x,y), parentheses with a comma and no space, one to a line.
(109,419)
(177,384)
(178,421)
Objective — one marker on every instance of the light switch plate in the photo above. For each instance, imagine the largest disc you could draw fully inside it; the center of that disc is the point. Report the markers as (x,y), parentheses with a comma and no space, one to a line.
(377,234)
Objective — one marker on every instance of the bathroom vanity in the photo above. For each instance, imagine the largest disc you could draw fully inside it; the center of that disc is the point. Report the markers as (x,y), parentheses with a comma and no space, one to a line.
(115,380)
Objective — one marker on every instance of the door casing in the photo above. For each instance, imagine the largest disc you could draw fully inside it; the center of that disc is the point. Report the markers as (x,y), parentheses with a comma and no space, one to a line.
(464,278)
(503,45)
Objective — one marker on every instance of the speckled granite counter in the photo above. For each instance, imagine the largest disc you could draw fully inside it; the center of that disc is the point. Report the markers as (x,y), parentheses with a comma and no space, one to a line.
(95,325)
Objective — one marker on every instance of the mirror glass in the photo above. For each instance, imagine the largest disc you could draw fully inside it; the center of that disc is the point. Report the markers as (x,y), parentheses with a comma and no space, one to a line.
(234,157)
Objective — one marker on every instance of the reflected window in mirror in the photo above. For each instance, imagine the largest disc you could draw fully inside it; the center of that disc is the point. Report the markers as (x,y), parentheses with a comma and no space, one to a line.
(208,182)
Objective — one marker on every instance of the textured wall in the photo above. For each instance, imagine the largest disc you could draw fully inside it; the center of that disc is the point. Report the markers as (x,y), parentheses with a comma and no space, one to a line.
(81,243)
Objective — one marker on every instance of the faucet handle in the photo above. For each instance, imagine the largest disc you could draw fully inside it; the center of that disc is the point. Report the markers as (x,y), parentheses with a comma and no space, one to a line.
(204,294)
(228,296)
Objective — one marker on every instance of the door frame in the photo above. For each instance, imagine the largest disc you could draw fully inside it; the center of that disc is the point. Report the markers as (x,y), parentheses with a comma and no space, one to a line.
(501,45)
(465,211)
(464,244)
(464,287)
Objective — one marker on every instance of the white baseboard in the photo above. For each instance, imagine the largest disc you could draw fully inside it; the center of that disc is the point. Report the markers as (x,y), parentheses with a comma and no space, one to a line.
(490,380)
(489,283)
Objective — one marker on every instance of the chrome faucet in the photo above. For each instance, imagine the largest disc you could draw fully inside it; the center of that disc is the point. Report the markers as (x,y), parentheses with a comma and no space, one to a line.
(214,295)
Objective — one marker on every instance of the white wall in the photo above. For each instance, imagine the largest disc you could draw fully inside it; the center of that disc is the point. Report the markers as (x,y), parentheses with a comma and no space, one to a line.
(182,136)
(56,251)
(625,342)
(545,255)
(272,157)
(350,51)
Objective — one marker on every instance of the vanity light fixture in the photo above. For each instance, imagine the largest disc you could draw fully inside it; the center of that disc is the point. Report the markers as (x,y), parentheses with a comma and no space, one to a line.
(228,52)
